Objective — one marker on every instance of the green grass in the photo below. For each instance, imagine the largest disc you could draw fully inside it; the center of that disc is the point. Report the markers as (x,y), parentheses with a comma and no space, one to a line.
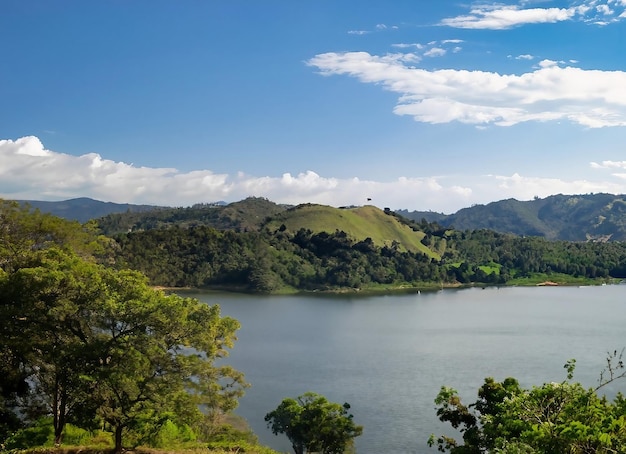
(359,223)
(491,268)
(557,278)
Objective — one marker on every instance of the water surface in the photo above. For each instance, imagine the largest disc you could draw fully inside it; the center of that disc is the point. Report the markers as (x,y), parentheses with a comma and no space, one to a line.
(388,355)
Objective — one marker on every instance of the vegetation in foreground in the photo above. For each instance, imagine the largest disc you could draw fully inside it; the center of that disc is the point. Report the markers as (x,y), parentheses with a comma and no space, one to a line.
(93,353)
(313,424)
(553,418)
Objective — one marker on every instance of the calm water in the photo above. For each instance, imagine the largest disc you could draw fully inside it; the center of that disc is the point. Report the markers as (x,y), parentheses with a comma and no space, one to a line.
(389,355)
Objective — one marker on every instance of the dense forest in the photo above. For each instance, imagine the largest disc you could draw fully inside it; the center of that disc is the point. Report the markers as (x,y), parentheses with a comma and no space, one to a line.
(272,257)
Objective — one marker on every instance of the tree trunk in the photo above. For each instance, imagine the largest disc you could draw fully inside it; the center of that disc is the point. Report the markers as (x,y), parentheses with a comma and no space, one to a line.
(60,405)
(118,439)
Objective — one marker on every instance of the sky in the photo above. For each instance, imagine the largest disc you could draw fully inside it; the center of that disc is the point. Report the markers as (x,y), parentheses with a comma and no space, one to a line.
(430,105)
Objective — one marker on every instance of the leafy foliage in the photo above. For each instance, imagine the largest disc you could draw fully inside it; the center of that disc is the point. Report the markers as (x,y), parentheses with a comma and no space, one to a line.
(93,346)
(270,261)
(246,215)
(266,262)
(313,424)
(551,418)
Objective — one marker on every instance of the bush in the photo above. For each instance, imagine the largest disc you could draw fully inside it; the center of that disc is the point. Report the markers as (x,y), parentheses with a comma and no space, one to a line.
(40,434)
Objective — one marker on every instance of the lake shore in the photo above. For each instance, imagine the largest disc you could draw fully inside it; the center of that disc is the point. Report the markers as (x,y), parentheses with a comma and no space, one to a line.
(541,280)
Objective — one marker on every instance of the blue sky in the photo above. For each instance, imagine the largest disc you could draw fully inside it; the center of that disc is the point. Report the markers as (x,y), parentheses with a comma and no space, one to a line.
(425,105)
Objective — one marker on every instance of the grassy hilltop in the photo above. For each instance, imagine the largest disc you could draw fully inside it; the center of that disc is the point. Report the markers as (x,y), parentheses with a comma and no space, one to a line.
(358,222)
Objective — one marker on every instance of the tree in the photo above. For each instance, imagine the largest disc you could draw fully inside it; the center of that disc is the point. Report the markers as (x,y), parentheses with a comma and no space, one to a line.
(46,268)
(82,341)
(313,424)
(551,418)
(156,354)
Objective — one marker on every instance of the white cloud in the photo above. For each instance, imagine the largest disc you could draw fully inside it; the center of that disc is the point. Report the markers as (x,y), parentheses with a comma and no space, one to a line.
(407,45)
(499,17)
(525,188)
(358,32)
(591,98)
(504,17)
(29,171)
(609,165)
(435,52)
(547,63)
(524,57)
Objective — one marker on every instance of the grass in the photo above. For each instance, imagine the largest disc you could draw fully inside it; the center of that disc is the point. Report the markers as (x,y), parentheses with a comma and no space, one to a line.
(359,223)
(556,278)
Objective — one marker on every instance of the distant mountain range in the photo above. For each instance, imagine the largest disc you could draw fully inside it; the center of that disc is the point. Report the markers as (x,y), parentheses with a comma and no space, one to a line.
(589,217)
(84,209)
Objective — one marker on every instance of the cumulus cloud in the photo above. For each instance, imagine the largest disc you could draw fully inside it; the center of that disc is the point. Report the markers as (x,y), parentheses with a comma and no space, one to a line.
(507,17)
(435,52)
(28,171)
(500,17)
(609,165)
(591,98)
(526,188)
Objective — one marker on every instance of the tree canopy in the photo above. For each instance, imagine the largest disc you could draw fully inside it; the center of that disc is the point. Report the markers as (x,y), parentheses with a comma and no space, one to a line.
(560,417)
(91,345)
(313,424)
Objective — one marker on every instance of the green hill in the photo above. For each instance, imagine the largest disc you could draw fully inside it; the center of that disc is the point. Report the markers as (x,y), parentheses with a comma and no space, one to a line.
(359,223)
(84,209)
(588,217)
(246,215)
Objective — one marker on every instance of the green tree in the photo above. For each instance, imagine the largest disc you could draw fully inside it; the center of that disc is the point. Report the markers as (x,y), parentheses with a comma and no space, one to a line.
(313,424)
(552,418)
(41,259)
(80,340)
(158,356)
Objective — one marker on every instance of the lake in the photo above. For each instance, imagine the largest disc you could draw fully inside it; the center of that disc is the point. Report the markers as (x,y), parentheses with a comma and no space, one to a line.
(388,355)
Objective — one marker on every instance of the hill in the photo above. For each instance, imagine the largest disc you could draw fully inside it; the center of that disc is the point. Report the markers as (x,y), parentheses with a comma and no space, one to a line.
(595,217)
(259,246)
(84,209)
(589,217)
(358,222)
(246,215)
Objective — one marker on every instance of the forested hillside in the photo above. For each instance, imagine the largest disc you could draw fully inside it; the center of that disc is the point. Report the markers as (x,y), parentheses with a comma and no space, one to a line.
(246,215)
(84,209)
(282,254)
(589,217)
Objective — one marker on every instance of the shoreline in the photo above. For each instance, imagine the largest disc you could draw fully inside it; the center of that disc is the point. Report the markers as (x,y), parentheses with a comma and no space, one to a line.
(406,288)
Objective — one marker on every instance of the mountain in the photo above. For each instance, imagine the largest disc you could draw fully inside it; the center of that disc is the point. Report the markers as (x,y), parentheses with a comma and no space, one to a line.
(595,217)
(84,209)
